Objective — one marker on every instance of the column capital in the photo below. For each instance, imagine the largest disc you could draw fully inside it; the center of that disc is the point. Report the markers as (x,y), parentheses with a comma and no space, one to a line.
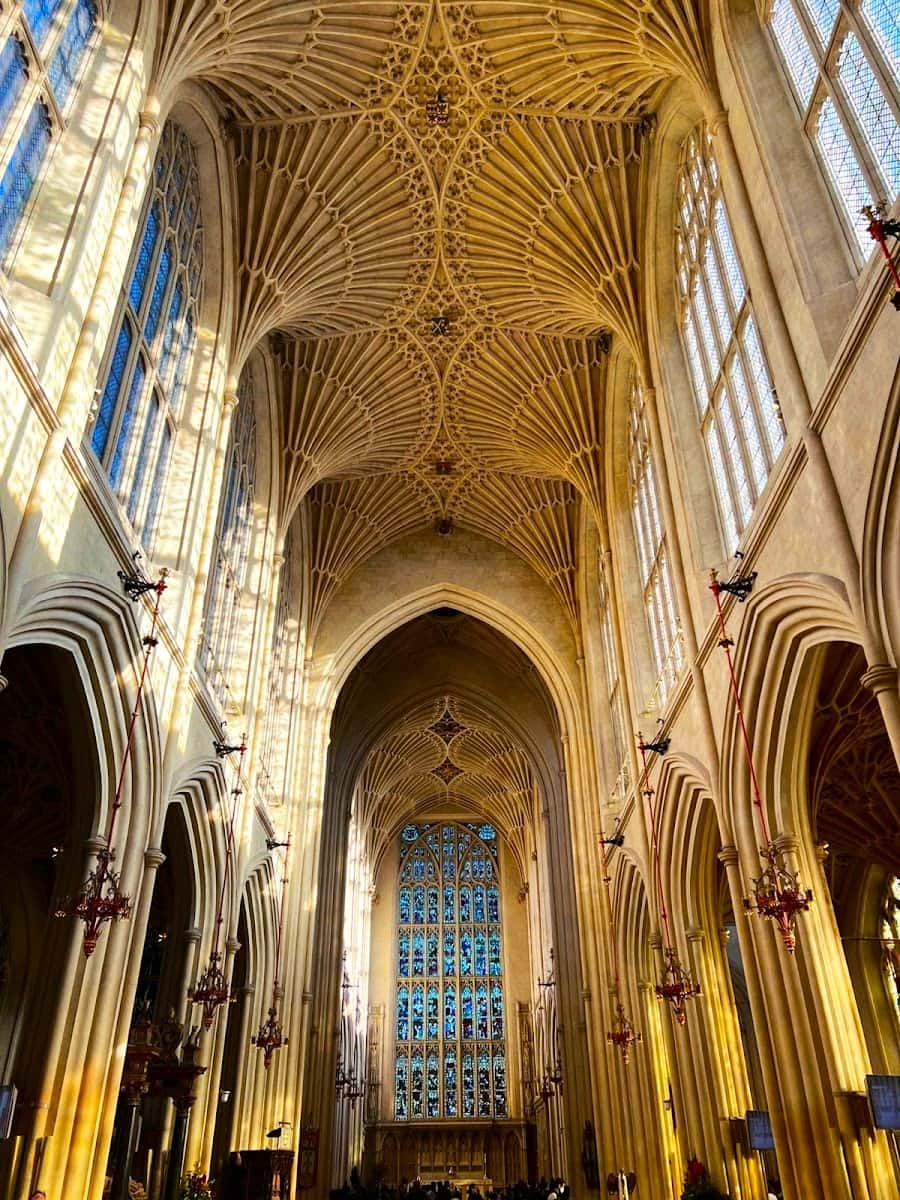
(232,945)
(787,843)
(191,936)
(153,858)
(881,677)
(728,856)
(695,934)
(716,120)
(229,400)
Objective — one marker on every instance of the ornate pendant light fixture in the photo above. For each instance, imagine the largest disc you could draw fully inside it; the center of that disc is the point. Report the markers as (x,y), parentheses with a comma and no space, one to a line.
(623,1034)
(100,898)
(777,893)
(211,990)
(270,1035)
(676,986)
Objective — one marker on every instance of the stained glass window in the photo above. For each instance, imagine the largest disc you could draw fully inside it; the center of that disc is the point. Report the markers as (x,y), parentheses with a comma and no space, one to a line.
(228,573)
(134,429)
(653,556)
(739,418)
(50,85)
(842,62)
(450,1027)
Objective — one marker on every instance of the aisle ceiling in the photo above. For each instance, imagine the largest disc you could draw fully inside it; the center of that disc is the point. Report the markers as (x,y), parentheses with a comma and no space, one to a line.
(441,295)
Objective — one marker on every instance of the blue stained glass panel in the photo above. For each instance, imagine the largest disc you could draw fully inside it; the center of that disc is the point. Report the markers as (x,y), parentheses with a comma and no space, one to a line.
(110,398)
(403,1014)
(465,954)
(418,1013)
(39,14)
(419,906)
(433,1014)
(432,908)
(478,902)
(480,953)
(450,1101)
(496,1013)
(416,1084)
(418,954)
(432,952)
(449,904)
(449,952)
(401,1082)
(120,453)
(465,904)
(21,172)
(494,952)
(404,906)
(482,1025)
(144,258)
(493,905)
(499,1083)
(450,1012)
(13,73)
(410,833)
(403,954)
(484,1083)
(433,1099)
(467,1015)
(159,291)
(468,1084)
(63,70)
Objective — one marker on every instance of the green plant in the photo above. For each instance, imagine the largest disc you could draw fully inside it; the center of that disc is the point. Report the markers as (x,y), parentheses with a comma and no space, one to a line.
(195,1186)
(697,1183)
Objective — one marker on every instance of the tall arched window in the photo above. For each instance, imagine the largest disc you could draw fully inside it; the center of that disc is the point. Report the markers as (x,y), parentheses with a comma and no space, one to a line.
(655,569)
(228,572)
(842,61)
(614,690)
(149,353)
(278,686)
(739,418)
(451,1050)
(40,62)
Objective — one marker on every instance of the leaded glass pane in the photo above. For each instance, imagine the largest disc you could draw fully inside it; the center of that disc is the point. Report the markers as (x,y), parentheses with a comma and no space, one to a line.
(39,14)
(449,990)
(64,66)
(824,14)
(795,50)
(110,398)
(734,402)
(883,18)
(13,73)
(159,302)
(401,1086)
(21,173)
(843,166)
(148,437)
(872,111)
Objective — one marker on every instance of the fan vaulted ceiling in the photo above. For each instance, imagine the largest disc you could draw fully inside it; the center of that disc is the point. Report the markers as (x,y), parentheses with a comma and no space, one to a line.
(440,292)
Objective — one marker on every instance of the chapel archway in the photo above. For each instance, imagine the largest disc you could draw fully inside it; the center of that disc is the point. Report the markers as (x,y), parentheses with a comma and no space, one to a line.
(465,743)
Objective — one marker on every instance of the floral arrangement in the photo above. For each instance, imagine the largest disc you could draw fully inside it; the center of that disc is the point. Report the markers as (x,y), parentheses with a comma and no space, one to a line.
(195,1186)
(697,1183)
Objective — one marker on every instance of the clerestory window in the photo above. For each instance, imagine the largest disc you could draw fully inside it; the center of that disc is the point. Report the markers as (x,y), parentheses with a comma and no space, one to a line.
(842,63)
(654,566)
(149,354)
(739,418)
(41,60)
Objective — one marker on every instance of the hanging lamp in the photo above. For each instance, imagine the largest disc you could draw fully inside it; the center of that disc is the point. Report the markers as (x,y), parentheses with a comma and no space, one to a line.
(211,990)
(100,898)
(676,986)
(623,1034)
(270,1035)
(778,893)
